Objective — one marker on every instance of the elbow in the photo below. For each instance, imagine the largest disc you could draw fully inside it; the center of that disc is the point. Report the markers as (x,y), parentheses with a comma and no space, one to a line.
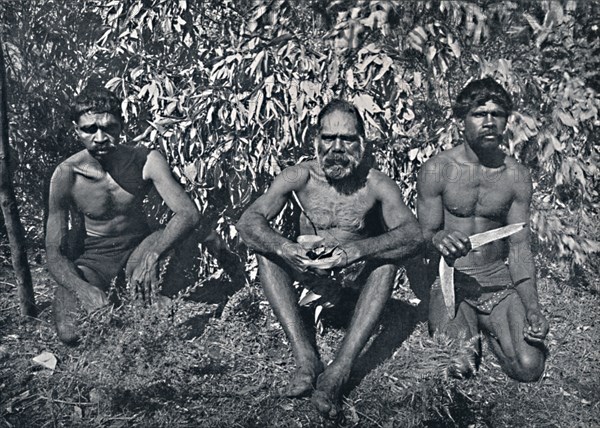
(191,217)
(242,226)
(195,217)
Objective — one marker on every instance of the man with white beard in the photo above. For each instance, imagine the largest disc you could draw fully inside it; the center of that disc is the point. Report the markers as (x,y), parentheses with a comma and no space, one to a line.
(353,229)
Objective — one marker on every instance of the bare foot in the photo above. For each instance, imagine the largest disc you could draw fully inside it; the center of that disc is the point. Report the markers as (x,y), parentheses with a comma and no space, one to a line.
(303,381)
(326,398)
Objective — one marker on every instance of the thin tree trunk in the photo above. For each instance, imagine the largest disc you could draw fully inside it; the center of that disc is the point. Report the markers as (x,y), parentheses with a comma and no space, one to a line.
(10,211)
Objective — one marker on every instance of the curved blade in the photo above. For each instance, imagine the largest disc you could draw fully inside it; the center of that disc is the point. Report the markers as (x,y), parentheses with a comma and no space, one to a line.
(446,272)
(483,238)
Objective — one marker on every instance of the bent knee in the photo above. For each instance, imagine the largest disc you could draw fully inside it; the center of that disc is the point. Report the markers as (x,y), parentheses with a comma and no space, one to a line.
(529,367)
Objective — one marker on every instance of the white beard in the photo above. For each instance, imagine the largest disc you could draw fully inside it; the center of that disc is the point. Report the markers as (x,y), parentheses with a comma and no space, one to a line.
(342,169)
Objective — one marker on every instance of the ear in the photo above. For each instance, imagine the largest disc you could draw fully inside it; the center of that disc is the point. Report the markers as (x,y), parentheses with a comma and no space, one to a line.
(76,128)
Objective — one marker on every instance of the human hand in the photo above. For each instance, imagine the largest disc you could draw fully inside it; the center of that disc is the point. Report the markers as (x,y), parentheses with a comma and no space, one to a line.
(537,327)
(144,279)
(452,244)
(295,255)
(91,298)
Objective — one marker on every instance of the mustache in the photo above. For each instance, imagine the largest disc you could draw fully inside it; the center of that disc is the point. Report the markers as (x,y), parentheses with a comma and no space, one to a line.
(338,159)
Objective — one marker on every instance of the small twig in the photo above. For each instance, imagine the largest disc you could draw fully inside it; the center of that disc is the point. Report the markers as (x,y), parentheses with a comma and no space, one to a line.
(71,403)
(124,418)
(8,283)
(368,417)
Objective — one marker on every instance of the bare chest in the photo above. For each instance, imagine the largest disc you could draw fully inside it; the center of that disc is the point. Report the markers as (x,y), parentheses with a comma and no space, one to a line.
(477,191)
(328,209)
(100,197)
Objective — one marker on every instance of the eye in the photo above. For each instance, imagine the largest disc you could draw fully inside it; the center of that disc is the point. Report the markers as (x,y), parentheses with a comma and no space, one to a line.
(350,138)
(112,129)
(91,129)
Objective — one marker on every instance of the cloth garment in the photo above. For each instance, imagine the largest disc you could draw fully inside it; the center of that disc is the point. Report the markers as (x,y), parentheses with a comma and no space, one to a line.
(482,287)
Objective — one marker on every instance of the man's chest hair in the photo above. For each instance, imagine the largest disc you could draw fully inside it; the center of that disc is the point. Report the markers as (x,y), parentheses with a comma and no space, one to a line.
(327,208)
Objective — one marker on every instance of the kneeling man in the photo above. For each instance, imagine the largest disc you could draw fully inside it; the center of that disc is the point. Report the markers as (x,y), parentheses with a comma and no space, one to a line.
(107,182)
(364,228)
(469,189)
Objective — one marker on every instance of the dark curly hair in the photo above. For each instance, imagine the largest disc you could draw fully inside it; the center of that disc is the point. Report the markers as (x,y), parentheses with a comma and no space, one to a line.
(96,99)
(479,92)
(344,107)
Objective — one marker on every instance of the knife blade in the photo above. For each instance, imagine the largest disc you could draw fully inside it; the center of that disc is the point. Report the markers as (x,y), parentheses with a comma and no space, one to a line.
(446,272)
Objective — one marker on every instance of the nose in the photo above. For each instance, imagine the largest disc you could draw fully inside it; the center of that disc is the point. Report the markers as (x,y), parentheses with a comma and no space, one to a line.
(338,145)
(100,136)
(488,121)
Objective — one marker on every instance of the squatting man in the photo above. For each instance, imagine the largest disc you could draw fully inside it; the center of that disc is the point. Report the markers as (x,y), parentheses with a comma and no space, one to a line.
(361,228)
(106,183)
(473,188)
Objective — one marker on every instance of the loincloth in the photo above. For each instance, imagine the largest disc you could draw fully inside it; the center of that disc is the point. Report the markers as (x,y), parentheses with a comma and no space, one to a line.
(107,256)
(329,288)
(482,287)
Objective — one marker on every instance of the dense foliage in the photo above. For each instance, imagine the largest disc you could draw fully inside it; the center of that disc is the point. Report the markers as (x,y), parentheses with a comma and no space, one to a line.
(228,90)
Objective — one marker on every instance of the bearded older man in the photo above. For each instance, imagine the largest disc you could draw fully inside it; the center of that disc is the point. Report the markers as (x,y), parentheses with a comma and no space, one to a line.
(361,227)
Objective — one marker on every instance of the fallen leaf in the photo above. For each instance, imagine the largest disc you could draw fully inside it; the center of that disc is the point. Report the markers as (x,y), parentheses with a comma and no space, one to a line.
(46,359)
(77,413)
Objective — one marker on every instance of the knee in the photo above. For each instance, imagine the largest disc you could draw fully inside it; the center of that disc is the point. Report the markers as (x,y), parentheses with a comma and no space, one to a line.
(529,366)
(64,299)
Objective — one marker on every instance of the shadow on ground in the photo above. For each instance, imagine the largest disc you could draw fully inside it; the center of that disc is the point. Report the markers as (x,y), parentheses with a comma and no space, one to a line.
(398,321)
(181,278)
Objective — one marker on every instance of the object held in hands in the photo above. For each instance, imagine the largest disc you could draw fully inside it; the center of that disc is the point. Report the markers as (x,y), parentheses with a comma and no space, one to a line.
(316,251)
(446,272)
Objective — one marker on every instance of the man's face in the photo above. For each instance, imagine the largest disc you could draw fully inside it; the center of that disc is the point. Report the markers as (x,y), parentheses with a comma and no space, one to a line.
(484,126)
(99,133)
(339,146)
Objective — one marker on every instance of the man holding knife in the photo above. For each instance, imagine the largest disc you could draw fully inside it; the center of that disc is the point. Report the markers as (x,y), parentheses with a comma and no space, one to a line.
(464,195)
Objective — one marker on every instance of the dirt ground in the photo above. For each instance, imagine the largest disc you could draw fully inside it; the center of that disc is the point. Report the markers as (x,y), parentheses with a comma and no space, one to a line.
(217,358)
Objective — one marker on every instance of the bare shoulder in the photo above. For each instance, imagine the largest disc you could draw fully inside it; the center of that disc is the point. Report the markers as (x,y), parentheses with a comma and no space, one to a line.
(63,173)
(156,167)
(378,178)
(431,173)
(294,177)
(521,177)
(440,160)
(156,157)
(382,185)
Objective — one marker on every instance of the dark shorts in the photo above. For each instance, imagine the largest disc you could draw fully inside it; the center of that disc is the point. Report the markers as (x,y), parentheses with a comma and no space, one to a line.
(107,256)
(481,287)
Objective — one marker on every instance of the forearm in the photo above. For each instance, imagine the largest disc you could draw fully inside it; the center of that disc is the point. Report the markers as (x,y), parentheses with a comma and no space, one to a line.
(65,272)
(522,272)
(258,234)
(179,227)
(397,244)
(429,250)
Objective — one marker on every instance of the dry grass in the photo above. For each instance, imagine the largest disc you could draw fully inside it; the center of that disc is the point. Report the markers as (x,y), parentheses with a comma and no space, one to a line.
(219,364)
